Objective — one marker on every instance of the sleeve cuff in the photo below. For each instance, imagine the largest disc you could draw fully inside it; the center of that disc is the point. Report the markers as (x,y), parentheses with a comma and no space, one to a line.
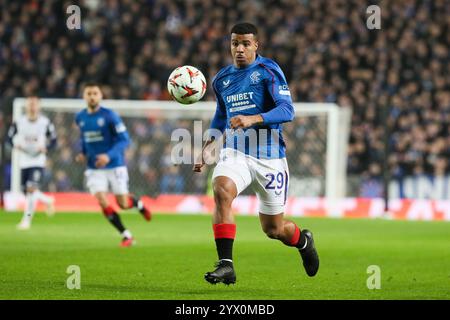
(263,116)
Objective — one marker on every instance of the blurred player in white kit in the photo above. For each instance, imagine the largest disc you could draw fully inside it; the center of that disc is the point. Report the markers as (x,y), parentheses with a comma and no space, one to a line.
(32,135)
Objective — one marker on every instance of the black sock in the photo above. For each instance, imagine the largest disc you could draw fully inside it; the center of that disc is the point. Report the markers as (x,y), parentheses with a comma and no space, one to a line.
(225,248)
(116,222)
(301,240)
(135,201)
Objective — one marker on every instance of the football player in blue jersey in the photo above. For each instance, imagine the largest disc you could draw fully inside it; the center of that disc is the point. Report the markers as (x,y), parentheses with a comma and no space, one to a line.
(253,100)
(104,139)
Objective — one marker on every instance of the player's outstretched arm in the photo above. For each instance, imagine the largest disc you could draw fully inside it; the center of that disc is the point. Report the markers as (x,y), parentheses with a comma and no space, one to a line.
(81,156)
(12,131)
(51,138)
(278,88)
(283,112)
(219,122)
(121,138)
(200,161)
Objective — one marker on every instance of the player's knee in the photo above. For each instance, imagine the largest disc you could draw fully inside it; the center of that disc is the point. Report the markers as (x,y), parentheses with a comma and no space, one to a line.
(273,232)
(222,195)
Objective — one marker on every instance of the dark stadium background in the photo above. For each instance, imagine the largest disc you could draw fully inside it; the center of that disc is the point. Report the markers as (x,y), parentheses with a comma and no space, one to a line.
(324,48)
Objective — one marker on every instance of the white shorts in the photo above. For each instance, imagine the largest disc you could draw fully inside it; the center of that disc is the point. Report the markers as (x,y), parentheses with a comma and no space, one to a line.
(269,178)
(98,180)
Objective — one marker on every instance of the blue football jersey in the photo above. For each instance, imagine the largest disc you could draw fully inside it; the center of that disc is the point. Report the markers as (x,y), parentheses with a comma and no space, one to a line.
(259,88)
(103,132)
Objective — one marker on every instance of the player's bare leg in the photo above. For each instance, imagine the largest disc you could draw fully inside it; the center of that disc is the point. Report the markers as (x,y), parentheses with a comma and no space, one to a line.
(114,219)
(128,201)
(224,231)
(276,227)
(48,201)
(30,207)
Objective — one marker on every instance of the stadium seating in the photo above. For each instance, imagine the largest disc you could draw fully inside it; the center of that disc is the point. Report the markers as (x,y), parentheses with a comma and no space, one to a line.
(324,48)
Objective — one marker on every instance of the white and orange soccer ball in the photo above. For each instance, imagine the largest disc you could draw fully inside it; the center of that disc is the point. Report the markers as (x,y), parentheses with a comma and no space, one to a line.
(186,84)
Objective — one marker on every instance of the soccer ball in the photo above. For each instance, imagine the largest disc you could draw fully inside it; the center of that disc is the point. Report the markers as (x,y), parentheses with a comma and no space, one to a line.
(186,84)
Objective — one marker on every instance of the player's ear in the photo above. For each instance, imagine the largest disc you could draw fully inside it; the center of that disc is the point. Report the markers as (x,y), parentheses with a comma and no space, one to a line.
(255,41)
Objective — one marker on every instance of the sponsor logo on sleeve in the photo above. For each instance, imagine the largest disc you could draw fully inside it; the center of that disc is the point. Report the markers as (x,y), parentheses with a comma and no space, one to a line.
(120,128)
(284,90)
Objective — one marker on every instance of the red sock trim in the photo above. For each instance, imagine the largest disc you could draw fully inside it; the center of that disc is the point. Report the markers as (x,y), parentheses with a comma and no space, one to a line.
(295,237)
(224,230)
(108,211)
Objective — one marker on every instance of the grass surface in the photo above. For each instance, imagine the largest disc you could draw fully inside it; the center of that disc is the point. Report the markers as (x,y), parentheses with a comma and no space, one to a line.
(174,251)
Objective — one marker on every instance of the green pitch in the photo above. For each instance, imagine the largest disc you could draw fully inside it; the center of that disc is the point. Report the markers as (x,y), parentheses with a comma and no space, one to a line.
(173,253)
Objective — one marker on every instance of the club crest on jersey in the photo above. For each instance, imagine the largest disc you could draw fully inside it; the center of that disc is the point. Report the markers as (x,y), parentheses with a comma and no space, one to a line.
(254,77)
(101,122)
(226,83)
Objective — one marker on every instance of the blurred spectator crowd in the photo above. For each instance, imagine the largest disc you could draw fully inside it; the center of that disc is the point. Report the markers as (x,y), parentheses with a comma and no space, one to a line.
(149,157)
(395,78)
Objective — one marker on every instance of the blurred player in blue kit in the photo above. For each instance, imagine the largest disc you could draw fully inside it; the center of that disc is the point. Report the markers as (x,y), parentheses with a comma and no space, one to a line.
(104,139)
(253,100)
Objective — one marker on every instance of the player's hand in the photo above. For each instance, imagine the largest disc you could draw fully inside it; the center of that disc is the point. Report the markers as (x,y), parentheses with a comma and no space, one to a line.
(199,163)
(243,122)
(80,158)
(205,154)
(102,160)
(42,150)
